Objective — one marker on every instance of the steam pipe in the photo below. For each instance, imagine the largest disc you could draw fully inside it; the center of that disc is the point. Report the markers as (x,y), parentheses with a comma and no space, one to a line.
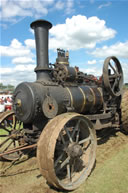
(41,28)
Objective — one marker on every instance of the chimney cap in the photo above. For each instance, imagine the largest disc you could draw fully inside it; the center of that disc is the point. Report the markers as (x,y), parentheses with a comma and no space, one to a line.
(41,23)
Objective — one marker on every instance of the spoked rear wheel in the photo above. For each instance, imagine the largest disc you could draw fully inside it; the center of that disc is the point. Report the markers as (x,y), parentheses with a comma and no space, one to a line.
(10,135)
(66,150)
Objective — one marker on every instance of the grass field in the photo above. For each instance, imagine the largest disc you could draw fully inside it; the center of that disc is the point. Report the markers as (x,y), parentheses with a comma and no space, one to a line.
(111,176)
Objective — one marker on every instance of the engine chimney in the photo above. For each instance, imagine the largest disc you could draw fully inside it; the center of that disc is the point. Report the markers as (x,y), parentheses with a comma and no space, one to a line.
(41,28)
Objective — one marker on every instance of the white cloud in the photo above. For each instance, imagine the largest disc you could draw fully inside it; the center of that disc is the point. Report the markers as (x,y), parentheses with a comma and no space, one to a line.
(23,60)
(15,49)
(14,11)
(96,71)
(18,74)
(119,50)
(23,8)
(59,5)
(30,43)
(69,6)
(104,5)
(125,71)
(72,36)
(91,61)
(80,32)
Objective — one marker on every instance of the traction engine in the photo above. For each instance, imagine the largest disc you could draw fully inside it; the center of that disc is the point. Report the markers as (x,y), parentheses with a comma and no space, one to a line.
(60,113)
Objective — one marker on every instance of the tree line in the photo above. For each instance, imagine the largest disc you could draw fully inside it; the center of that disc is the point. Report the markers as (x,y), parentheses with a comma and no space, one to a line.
(8,87)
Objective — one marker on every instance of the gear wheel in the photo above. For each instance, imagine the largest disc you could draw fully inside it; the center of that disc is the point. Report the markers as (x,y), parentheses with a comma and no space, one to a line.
(124,111)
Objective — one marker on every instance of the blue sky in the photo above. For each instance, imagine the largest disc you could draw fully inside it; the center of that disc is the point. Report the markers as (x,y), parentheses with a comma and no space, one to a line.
(91,30)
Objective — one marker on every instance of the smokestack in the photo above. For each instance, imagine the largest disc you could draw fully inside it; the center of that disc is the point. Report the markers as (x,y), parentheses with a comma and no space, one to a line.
(41,28)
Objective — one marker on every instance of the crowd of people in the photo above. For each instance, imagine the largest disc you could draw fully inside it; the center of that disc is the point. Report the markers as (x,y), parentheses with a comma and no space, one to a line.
(5,103)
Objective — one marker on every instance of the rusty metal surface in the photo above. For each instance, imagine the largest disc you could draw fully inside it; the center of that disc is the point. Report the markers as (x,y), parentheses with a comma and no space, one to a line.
(47,149)
(20,148)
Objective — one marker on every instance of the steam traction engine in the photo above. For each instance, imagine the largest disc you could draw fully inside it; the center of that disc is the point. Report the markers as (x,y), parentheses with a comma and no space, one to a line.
(60,112)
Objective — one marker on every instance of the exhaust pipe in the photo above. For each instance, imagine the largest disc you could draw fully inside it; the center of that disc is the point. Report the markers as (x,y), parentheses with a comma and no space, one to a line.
(41,28)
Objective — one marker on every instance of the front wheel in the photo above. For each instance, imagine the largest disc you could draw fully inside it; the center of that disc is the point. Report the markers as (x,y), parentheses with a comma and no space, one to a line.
(66,150)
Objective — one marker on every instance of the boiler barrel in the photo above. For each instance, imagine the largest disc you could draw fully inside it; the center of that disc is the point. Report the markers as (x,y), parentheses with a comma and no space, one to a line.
(85,99)
(32,100)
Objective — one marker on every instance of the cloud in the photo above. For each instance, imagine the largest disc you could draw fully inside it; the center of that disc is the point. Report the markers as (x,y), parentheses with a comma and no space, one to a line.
(23,60)
(119,49)
(92,62)
(125,71)
(17,74)
(24,8)
(87,34)
(14,11)
(59,5)
(22,63)
(96,71)
(104,5)
(15,49)
(69,6)
(30,43)
(72,36)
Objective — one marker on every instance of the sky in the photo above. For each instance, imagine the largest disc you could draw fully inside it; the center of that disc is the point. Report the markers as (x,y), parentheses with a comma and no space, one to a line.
(90,29)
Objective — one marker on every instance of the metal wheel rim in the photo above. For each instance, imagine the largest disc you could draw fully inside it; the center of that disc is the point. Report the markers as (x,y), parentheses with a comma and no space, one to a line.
(8,142)
(118,73)
(47,167)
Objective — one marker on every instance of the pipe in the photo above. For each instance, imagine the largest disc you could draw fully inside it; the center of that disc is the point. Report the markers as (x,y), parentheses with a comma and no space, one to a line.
(41,28)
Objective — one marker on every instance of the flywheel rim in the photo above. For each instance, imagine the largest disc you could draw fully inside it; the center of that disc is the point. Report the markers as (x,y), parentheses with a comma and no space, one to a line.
(117,76)
(47,162)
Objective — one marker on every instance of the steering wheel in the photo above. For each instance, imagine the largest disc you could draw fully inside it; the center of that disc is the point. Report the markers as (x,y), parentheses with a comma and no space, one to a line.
(113,76)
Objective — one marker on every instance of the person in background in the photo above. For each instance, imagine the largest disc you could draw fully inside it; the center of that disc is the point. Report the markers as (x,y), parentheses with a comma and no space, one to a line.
(2,105)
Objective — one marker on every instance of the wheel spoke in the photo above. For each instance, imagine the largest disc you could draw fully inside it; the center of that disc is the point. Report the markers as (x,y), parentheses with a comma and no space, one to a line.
(8,146)
(66,161)
(113,68)
(84,140)
(58,159)
(62,137)
(68,134)
(69,172)
(19,125)
(76,128)
(4,128)
(77,136)
(85,148)
(9,123)
(113,86)
(3,135)
(14,122)
(112,76)
(14,142)
(5,141)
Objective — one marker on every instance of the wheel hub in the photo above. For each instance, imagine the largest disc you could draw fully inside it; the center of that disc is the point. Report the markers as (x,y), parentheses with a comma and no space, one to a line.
(15,135)
(74,150)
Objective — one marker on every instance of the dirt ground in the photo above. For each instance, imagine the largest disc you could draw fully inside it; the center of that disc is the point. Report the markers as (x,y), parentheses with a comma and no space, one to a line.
(24,177)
